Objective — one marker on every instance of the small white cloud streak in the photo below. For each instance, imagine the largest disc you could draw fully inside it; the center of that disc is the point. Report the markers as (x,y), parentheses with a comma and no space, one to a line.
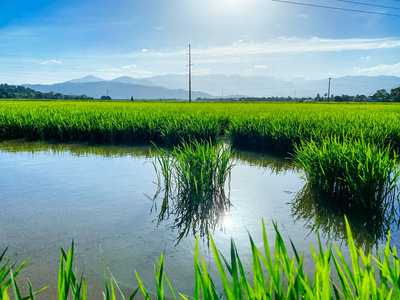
(242,49)
(380,70)
(202,71)
(129,70)
(145,50)
(128,67)
(158,27)
(248,54)
(296,45)
(50,62)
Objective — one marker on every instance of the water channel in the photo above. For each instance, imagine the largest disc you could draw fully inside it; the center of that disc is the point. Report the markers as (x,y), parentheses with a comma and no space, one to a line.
(102,197)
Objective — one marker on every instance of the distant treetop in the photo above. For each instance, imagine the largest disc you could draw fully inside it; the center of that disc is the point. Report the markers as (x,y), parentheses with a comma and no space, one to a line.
(21,92)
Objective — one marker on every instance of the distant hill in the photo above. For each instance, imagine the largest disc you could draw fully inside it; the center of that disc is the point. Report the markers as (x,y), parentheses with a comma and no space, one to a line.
(141,81)
(265,86)
(212,86)
(88,78)
(116,89)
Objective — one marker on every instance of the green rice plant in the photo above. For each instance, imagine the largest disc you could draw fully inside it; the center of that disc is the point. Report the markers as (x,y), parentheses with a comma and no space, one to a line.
(359,280)
(259,126)
(17,293)
(201,168)
(160,277)
(273,273)
(67,280)
(109,293)
(7,279)
(6,274)
(277,275)
(193,177)
(352,171)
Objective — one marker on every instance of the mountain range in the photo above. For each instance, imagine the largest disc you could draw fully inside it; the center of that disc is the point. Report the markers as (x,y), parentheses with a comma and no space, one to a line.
(211,86)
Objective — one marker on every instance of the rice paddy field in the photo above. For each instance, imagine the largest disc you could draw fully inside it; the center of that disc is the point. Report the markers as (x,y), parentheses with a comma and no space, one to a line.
(116,173)
(257,126)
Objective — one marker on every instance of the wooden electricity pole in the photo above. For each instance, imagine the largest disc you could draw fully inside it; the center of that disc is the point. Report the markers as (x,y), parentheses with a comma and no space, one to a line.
(190,76)
(329,88)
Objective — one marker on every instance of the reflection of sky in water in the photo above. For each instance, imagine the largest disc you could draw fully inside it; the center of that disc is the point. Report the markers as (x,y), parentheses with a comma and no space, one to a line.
(98,196)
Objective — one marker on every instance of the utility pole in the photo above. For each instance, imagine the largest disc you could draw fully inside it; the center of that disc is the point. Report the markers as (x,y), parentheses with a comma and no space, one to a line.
(190,76)
(329,88)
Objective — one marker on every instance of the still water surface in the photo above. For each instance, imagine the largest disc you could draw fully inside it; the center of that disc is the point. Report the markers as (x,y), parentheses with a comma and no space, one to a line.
(102,198)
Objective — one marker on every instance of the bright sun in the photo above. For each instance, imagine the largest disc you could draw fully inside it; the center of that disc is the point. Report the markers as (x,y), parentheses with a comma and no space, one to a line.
(231,6)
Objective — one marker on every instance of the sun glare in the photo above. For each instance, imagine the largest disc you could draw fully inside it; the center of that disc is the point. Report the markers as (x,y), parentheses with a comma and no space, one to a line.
(230,6)
(227,221)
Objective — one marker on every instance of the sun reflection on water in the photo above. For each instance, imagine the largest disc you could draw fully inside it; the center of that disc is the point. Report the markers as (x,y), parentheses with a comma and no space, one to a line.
(227,222)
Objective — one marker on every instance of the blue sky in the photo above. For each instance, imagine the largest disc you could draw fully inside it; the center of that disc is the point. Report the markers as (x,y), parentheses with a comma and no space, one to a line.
(53,41)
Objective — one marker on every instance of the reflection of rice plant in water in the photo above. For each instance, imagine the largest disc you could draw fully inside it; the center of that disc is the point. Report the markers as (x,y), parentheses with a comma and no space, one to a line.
(193,178)
(352,171)
(321,213)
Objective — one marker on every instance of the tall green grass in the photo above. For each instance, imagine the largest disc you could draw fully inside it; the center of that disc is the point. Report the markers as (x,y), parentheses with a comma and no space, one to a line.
(352,171)
(107,123)
(257,126)
(273,273)
(5,272)
(193,177)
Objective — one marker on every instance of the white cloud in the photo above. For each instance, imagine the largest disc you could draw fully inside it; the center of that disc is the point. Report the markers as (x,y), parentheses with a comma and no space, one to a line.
(265,57)
(158,27)
(388,44)
(129,67)
(49,62)
(129,70)
(144,50)
(108,70)
(243,48)
(380,70)
(284,45)
(202,71)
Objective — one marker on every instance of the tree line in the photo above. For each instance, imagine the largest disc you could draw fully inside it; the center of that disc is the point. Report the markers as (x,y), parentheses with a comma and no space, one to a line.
(379,96)
(21,92)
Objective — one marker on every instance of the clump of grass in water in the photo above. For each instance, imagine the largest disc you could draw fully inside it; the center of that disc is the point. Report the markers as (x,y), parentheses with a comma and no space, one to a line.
(354,172)
(193,177)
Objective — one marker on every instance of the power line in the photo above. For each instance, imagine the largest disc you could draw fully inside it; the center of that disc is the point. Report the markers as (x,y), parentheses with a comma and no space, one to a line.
(338,8)
(106,41)
(369,4)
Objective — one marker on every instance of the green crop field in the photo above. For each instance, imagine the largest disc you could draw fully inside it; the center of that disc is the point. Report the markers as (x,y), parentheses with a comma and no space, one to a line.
(286,128)
(260,126)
